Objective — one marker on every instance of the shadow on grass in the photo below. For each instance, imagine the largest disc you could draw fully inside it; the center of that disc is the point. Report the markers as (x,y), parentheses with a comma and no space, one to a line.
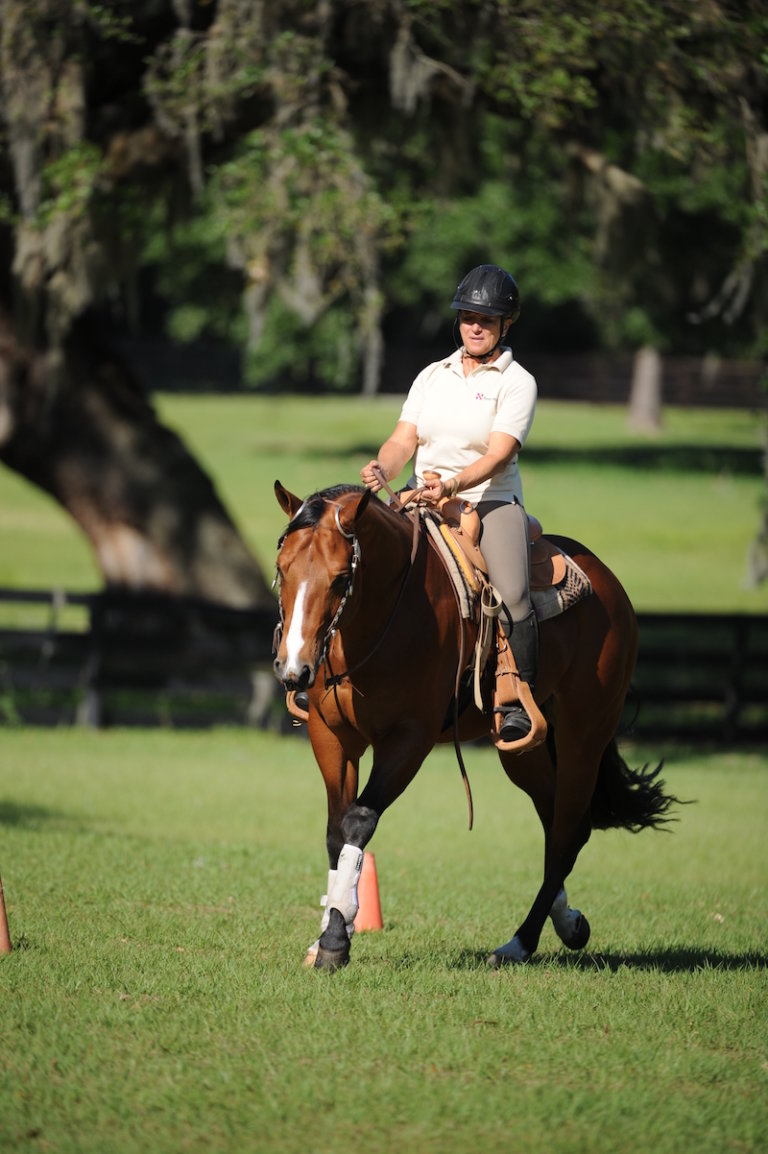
(27,816)
(677,960)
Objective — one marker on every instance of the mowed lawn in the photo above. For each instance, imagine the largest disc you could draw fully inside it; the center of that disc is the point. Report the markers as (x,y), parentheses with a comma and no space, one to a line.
(161,890)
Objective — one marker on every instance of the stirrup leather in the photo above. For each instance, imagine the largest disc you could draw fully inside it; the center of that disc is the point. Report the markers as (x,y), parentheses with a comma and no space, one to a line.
(511,689)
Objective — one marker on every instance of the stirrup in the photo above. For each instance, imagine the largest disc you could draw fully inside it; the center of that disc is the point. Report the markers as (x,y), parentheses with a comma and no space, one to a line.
(515,724)
(521,742)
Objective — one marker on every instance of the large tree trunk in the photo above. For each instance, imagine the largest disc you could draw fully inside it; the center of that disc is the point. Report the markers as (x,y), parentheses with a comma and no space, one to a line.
(72,418)
(77,424)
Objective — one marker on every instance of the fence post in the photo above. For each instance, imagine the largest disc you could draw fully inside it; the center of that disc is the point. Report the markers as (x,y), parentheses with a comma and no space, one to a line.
(89,711)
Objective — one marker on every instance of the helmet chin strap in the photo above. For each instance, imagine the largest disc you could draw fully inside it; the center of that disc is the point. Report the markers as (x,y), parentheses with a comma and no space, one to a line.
(483,360)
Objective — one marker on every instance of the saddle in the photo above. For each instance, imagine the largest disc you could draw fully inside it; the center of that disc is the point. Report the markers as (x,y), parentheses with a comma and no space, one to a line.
(460,529)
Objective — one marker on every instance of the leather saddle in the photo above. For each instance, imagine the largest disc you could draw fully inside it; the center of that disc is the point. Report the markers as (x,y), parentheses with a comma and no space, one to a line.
(460,528)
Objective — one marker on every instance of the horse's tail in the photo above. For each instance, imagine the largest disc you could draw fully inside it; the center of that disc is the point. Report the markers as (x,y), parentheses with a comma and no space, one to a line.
(632,799)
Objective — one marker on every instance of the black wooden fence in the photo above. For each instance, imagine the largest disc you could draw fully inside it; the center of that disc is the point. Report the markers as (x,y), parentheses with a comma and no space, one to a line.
(108,660)
(119,659)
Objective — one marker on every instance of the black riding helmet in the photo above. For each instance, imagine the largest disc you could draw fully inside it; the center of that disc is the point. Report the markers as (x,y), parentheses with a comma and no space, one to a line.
(490,290)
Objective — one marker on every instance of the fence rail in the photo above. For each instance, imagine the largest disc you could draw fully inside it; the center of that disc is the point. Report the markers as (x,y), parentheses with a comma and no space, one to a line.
(156,660)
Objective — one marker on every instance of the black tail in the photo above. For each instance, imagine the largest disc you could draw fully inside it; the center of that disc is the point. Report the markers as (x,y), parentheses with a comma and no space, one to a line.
(632,799)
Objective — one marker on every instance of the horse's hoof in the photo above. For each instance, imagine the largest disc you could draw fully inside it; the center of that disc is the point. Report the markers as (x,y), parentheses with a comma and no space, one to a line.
(331,960)
(578,939)
(513,953)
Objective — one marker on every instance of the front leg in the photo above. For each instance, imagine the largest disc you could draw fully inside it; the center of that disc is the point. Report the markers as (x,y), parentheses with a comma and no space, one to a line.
(340,773)
(395,762)
(358,826)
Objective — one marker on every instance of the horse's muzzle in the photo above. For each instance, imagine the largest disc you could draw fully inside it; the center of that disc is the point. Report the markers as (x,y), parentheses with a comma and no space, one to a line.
(294,677)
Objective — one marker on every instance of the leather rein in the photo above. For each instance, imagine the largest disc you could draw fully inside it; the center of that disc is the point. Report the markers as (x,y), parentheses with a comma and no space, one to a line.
(402,507)
(336,678)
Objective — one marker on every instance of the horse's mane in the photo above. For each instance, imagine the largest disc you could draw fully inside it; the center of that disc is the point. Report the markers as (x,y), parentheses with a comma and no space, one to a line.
(311,510)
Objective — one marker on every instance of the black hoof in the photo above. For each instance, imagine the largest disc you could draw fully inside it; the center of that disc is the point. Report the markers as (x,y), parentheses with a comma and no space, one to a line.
(580,935)
(333,947)
(331,960)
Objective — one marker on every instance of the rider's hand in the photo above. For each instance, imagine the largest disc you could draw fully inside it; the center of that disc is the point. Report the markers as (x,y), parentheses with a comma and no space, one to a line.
(433,490)
(369,475)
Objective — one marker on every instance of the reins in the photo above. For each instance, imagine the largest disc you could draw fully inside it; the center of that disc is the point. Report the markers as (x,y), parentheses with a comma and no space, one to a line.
(336,678)
(402,508)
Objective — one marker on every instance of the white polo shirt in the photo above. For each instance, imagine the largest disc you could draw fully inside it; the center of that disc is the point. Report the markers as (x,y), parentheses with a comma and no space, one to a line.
(454,416)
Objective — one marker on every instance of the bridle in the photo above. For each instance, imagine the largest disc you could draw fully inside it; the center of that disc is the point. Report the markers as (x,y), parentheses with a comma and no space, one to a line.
(333,679)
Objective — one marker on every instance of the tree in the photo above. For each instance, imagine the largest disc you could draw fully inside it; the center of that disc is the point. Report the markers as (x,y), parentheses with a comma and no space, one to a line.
(294,177)
(72,417)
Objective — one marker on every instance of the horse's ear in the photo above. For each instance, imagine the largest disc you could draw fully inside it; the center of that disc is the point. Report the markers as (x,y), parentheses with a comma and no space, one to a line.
(352,510)
(288,502)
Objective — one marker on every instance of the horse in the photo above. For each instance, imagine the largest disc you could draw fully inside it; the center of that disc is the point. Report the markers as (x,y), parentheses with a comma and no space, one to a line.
(370,630)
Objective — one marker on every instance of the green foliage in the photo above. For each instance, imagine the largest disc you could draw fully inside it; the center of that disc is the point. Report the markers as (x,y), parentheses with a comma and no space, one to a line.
(291,356)
(349,163)
(70,182)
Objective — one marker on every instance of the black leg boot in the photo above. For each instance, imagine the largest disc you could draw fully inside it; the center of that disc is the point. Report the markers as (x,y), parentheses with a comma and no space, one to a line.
(524,643)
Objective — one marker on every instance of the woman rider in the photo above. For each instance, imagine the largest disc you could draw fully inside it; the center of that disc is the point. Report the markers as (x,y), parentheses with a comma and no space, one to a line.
(466,418)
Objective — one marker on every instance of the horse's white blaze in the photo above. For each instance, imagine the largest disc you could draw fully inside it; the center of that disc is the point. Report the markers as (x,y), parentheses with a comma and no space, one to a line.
(294,639)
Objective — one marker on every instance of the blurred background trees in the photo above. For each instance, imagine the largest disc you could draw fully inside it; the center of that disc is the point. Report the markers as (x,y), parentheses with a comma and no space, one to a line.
(306,182)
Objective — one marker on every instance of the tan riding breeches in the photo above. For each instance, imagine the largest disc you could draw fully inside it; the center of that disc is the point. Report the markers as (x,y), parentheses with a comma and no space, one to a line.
(505,546)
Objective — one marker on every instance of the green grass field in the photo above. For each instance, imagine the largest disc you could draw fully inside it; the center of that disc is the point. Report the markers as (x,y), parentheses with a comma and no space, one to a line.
(672,515)
(162,887)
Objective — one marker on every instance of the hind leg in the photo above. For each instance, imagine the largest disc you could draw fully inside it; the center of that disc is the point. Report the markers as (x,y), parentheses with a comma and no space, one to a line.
(571,926)
(562,802)
(534,773)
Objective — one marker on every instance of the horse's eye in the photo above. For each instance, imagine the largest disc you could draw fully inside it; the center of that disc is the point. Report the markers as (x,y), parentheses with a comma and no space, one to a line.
(339,582)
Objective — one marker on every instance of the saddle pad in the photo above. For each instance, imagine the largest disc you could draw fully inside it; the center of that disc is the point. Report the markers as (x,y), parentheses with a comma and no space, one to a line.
(467,590)
(557,598)
(549,601)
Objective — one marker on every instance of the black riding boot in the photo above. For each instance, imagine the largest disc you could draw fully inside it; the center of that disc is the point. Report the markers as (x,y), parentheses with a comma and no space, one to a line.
(524,643)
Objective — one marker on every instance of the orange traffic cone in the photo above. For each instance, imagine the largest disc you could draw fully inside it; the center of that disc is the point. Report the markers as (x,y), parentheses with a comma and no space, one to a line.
(5,937)
(369,910)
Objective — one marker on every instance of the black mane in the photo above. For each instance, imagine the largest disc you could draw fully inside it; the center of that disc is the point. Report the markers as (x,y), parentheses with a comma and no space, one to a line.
(311,510)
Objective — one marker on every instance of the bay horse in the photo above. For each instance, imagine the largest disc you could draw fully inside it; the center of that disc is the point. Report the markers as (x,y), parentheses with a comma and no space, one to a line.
(370,629)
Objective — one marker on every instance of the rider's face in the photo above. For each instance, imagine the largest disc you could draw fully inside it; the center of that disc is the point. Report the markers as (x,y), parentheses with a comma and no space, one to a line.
(479,333)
